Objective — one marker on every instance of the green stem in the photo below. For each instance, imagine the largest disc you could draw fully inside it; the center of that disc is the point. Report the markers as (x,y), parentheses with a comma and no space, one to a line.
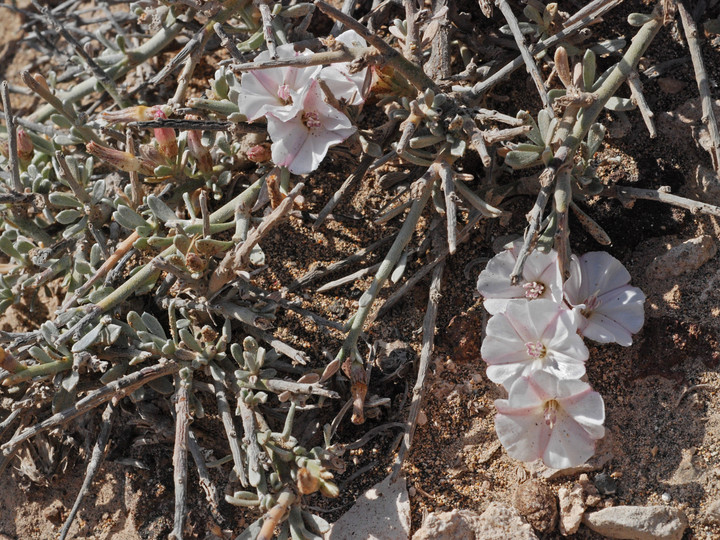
(148,272)
(37,370)
(386,267)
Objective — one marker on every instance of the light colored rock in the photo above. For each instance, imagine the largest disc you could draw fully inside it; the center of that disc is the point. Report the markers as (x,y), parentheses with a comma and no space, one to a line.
(591,495)
(712,513)
(498,522)
(687,470)
(459,524)
(536,502)
(572,508)
(381,513)
(708,181)
(685,257)
(638,522)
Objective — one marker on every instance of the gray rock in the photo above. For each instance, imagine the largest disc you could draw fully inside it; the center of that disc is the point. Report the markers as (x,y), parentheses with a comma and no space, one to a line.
(536,502)
(638,522)
(685,257)
(381,513)
(498,522)
(605,484)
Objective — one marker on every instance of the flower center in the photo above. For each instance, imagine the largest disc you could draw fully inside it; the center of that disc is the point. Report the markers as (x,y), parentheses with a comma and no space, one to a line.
(551,413)
(533,290)
(284,92)
(591,304)
(535,349)
(311,119)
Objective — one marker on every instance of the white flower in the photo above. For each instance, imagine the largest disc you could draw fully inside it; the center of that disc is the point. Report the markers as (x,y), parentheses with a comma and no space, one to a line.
(274,90)
(557,421)
(610,309)
(540,279)
(301,142)
(529,337)
(344,85)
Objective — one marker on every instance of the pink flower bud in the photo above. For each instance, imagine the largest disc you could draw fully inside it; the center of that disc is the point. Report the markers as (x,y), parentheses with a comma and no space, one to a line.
(165,137)
(124,161)
(199,152)
(260,153)
(24,146)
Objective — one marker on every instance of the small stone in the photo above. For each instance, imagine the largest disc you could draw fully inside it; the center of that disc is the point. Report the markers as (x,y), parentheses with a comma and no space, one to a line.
(535,501)
(591,496)
(447,525)
(638,522)
(605,484)
(669,85)
(54,512)
(572,508)
(682,258)
(712,514)
(666,497)
(503,521)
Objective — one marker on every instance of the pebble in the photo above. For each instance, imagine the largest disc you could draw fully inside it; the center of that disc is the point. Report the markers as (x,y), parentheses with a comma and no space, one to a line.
(682,258)
(498,521)
(666,497)
(712,514)
(638,522)
(536,502)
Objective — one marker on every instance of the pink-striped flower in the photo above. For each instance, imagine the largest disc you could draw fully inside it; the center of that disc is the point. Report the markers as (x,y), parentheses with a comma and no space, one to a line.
(610,309)
(557,421)
(274,90)
(541,279)
(532,337)
(301,142)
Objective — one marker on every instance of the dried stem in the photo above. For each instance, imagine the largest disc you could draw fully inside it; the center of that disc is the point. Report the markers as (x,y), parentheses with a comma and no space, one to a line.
(708,115)
(115,390)
(183,381)
(350,181)
(425,356)
(14,162)
(98,454)
(639,99)
(228,423)
(627,194)
(528,58)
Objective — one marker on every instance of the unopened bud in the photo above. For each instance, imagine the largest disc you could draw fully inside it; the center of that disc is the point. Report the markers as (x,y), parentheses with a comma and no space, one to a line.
(562,67)
(194,262)
(199,151)
(139,113)
(25,146)
(165,137)
(124,161)
(40,79)
(329,489)
(307,482)
(260,153)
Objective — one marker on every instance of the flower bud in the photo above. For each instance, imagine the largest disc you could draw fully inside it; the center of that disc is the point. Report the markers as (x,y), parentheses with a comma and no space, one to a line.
(199,152)
(307,482)
(25,146)
(165,137)
(260,153)
(329,489)
(139,113)
(124,161)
